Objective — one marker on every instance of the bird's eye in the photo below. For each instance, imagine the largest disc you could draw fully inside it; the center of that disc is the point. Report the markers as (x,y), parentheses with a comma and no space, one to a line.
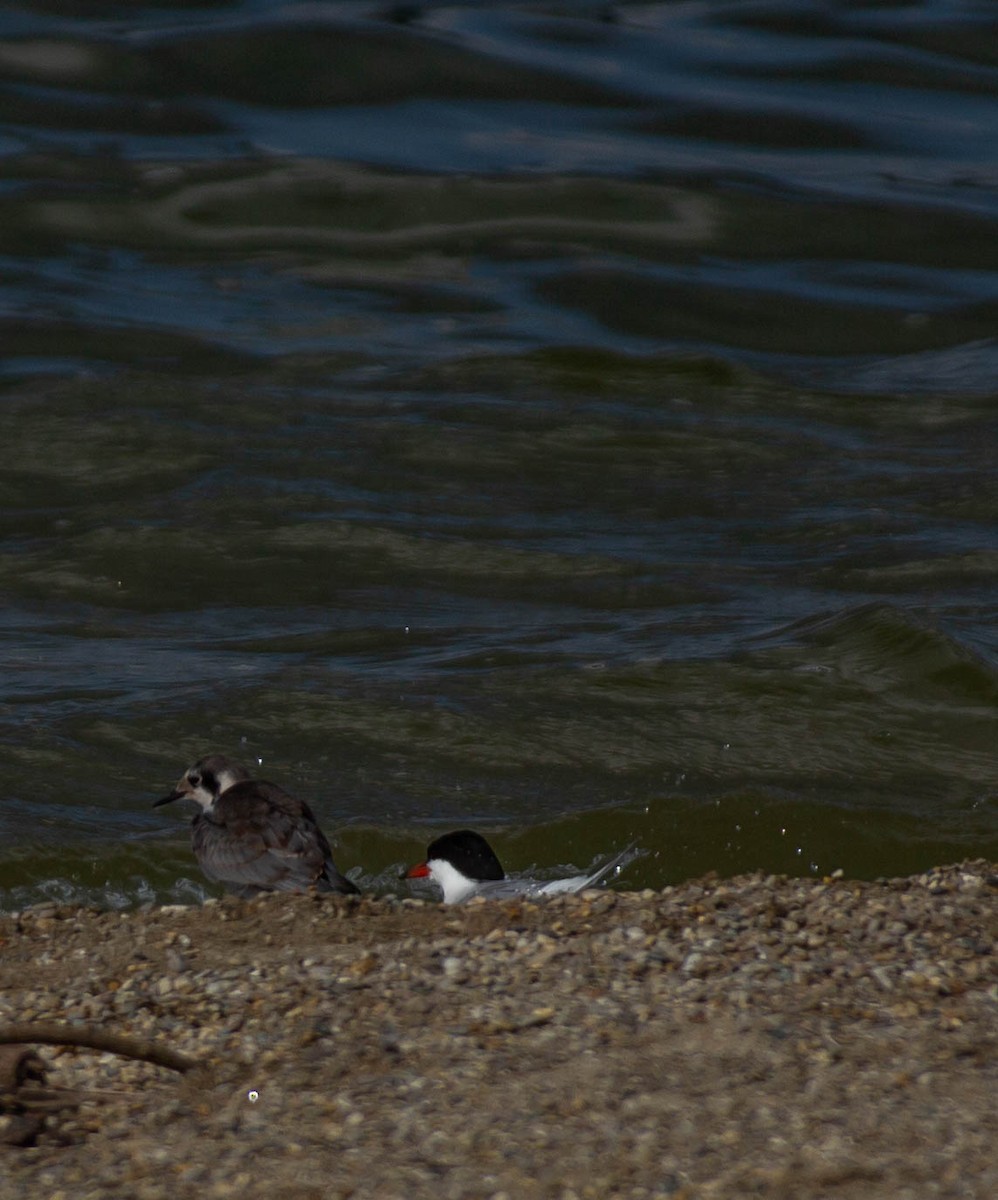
(194,779)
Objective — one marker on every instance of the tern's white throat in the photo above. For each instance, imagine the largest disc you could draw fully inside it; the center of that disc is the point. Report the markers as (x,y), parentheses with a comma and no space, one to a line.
(455,886)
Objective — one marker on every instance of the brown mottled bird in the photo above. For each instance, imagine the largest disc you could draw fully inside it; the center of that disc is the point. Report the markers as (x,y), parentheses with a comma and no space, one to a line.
(252,836)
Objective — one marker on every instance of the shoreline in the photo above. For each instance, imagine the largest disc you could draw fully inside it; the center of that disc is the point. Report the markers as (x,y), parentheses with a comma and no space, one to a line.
(724,1037)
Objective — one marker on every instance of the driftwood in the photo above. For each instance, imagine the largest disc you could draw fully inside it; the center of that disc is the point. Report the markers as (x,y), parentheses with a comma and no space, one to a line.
(96,1039)
(26,1098)
(23,1096)
(19,1066)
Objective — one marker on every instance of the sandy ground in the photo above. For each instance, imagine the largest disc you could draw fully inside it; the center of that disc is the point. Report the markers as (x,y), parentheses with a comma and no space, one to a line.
(725,1038)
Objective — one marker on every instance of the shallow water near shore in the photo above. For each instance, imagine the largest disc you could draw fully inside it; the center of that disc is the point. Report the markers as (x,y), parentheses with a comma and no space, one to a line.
(578,425)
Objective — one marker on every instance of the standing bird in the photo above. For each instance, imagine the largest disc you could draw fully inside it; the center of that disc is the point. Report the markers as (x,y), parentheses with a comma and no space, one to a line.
(252,836)
(463,864)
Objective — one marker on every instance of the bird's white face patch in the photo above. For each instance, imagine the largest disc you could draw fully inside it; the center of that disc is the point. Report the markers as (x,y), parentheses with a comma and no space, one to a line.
(455,886)
(193,788)
(226,778)
(205,787)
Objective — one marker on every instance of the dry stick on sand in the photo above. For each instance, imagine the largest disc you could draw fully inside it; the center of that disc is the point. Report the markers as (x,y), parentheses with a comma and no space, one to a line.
(97,1039)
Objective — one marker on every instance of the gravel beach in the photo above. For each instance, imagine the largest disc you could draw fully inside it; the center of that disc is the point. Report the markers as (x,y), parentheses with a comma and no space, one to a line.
(754,1036)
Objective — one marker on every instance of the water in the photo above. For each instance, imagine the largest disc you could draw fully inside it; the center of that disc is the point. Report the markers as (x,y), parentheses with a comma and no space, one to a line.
(574,421)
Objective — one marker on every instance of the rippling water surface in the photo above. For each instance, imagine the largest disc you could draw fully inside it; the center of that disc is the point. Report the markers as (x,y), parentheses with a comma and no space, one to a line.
(576,421)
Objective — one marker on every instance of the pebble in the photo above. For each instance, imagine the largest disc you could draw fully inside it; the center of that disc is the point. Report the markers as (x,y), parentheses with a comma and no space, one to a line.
(721,1038)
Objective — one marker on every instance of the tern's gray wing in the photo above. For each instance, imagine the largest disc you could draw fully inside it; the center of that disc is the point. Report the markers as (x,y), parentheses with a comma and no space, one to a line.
(501,889)
(506,889)
(619,860)
(258,838)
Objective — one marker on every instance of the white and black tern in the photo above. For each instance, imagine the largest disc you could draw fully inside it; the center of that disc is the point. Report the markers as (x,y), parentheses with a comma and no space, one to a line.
(252,836)
(463,865)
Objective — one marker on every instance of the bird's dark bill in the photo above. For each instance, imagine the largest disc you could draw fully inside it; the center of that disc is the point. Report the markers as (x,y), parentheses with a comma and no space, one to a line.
(167,799)
(420,871)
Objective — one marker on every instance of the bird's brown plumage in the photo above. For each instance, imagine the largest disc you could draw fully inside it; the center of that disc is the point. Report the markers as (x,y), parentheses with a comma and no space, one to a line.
(253,836)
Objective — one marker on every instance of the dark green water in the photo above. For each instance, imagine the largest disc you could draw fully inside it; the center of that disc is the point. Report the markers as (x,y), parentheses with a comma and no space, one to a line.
(578,428)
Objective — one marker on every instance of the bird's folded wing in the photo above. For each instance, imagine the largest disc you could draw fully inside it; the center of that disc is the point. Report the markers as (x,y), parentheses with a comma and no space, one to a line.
(259,836)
